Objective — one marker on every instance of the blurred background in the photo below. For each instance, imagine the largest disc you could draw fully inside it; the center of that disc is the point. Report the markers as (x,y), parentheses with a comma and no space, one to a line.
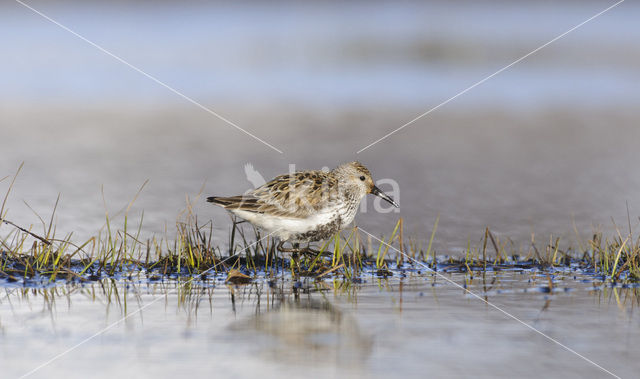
(551,141)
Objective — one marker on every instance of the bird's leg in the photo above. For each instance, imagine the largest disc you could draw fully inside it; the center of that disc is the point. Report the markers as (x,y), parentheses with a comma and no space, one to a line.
(294,249)
(295,255)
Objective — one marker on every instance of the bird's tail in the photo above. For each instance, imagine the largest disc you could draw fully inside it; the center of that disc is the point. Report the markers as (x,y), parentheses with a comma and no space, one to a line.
(225,201)
(216,200)
(235,202)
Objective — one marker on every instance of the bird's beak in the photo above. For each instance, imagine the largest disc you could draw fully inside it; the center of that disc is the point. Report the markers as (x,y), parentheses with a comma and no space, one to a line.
(376,191)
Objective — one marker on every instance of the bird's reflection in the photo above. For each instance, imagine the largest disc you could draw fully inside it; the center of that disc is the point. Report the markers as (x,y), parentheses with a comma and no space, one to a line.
(307,330)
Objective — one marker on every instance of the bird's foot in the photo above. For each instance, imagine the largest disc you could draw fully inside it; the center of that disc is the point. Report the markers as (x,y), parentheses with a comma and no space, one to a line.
(307,251)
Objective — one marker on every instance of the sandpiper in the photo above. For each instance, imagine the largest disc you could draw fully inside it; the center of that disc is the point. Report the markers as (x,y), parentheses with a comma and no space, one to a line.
(305,206)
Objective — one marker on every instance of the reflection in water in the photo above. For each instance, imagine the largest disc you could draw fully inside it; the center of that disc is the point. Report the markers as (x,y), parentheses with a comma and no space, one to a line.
(309,330)
(381,327)
(283,310)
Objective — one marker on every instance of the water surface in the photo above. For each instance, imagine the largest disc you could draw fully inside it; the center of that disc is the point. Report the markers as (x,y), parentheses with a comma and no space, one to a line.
(545,147)
(412,326)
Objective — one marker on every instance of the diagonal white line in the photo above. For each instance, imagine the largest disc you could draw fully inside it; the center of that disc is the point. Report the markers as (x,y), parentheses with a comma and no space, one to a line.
(158,81)
(489,77)
(116,323)
(493,305)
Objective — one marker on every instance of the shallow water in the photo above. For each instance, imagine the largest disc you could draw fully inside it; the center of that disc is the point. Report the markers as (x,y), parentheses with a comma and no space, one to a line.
(545,145)
(410,326)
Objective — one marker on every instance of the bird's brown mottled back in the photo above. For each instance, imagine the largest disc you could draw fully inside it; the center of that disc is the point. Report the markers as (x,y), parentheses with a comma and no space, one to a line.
(299,195)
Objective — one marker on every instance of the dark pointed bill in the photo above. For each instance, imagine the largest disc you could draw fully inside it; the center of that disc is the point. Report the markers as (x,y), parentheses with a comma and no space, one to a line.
(376,191)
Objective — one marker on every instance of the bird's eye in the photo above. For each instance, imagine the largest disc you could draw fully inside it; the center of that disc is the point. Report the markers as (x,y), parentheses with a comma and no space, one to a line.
(362,178)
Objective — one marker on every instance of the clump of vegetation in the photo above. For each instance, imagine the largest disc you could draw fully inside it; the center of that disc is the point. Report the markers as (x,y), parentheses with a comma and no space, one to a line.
(122,252)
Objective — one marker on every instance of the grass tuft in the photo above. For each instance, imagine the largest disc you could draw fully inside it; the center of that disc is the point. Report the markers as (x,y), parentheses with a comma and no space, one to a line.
(119,252)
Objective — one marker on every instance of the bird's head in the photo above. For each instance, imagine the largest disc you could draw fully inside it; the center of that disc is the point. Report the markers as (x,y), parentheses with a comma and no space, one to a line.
(354,174)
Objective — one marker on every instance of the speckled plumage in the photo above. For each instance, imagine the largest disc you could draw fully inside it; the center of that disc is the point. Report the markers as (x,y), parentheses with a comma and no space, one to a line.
(305,206)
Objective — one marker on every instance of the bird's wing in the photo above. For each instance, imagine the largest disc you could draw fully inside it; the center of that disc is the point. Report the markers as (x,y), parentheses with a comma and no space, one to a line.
(296,195)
